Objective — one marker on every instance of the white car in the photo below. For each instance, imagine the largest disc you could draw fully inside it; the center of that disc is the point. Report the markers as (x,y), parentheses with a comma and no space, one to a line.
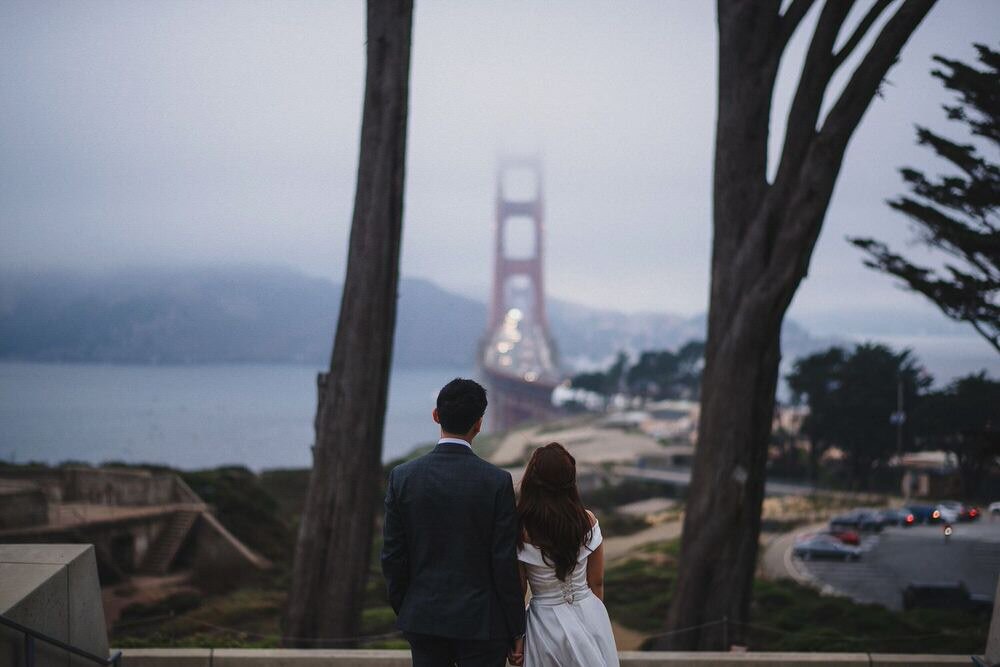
(949,511)
(994,509)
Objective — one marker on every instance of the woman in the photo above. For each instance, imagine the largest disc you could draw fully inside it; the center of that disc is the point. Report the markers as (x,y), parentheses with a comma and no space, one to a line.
(562,559)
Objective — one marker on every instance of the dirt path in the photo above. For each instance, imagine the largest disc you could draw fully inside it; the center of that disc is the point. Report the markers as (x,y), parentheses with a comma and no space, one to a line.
(616,548)
(144,589)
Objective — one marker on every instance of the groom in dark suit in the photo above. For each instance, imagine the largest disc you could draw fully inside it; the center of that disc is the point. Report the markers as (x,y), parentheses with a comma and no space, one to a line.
(449,545)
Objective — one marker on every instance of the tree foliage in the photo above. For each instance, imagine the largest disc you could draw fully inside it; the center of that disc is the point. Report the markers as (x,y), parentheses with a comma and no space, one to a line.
(955,215)
(656,375)
(964,418)
(851,394)
(851,397)
(813,382)
(665,374)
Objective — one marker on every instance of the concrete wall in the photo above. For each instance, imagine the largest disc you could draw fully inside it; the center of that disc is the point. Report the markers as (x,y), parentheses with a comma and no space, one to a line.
(22,504)
(348,658)
(106,486)
(51,588)
(108,539)
(993,638)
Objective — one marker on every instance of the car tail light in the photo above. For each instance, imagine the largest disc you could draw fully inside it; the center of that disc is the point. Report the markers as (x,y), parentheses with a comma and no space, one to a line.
(909,518)
(936,514)
(973,512)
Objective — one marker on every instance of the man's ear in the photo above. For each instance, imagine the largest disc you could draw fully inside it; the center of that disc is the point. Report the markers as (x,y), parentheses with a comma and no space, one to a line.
(434,414)
(478,426)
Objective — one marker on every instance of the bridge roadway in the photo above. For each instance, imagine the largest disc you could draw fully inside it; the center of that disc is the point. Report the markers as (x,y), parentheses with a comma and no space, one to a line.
(682,477)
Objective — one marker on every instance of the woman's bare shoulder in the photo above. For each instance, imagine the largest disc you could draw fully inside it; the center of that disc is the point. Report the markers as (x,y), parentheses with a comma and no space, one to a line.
(591,516)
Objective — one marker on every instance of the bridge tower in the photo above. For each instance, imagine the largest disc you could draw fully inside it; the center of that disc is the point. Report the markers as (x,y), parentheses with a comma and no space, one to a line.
(511,211)
(518,354)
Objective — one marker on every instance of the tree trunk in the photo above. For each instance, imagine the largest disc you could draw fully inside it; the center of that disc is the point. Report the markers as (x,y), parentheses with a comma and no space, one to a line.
(334,542)
(814,455)
(764,234)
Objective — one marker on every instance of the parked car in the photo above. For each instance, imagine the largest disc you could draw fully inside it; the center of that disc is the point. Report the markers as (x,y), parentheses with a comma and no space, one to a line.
(994,509)
(924,513)
(946,595)
(863,520)
(949,511)
(845,535)
(825,546)
(898,517)
(953,511)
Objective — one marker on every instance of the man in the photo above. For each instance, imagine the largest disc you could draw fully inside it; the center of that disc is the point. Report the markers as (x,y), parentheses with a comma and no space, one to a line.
(449,545)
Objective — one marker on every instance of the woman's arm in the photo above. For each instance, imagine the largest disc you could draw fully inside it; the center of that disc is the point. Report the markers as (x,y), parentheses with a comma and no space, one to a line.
(524,578)
(595,565)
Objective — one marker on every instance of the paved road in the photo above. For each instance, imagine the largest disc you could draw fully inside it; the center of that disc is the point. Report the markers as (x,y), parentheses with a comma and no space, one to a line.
(682,477)
(897,556)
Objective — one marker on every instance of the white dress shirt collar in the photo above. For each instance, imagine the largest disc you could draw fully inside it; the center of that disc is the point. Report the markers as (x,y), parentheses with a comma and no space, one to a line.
(454,441)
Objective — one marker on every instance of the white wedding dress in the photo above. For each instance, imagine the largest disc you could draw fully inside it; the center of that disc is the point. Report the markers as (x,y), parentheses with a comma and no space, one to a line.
(567,624)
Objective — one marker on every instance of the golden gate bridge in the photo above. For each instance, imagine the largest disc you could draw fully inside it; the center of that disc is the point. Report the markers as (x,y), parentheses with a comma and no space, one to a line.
(518,357)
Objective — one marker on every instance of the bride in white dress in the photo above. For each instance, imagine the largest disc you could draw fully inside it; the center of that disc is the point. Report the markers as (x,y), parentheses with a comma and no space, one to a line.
(562,560)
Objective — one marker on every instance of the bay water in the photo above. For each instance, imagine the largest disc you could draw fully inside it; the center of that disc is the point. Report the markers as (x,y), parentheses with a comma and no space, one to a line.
(189,417)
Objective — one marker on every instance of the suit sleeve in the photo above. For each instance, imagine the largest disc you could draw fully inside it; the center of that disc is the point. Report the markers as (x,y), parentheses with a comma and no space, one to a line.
(395,559)
(506,579)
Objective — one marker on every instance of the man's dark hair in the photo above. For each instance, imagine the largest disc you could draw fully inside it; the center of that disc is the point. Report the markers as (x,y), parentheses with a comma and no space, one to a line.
(460,404)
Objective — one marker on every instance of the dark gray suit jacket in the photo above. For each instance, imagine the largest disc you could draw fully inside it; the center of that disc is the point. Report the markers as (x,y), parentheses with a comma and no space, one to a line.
(449,551)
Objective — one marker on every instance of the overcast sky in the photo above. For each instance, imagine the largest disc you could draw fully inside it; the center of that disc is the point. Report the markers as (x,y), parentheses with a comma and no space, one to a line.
(137,133)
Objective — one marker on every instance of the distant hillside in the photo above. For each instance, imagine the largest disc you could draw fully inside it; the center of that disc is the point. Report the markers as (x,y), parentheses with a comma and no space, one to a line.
(214,315)
(269,315)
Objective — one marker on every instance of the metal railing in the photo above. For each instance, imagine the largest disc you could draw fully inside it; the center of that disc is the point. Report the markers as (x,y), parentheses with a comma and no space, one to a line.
(29,646)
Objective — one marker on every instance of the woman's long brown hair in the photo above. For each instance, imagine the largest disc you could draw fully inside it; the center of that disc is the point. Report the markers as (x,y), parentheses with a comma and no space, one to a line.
(549,509)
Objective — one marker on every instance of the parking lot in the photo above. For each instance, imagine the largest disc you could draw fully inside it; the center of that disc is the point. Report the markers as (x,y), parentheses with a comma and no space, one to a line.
(897,556)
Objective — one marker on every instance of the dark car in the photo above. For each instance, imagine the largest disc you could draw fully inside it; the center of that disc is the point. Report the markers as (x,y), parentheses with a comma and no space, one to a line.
(898,517)
(945,595)
(825,546)
(924,513)
(862,520)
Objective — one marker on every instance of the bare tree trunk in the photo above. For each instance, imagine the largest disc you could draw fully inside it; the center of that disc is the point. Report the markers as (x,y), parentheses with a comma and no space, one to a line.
(334,541)
(764,237)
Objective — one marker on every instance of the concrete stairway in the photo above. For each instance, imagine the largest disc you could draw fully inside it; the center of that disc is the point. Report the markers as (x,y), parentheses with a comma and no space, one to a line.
(162,553)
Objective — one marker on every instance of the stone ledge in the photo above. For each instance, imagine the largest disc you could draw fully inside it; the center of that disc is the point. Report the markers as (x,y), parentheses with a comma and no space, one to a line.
(157,657)
(52,589)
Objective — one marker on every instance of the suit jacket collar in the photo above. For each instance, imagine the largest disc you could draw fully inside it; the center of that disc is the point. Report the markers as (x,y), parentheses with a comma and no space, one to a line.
(452,448)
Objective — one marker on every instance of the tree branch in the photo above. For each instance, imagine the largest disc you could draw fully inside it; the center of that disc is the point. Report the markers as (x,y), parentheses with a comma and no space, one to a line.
(860,31)
(864,83)
(812,175)
(992,340)
(791,18)
(800,131)
(817,71)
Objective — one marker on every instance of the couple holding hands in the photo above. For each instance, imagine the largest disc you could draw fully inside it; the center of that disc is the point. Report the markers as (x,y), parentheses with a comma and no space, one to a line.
(460,553)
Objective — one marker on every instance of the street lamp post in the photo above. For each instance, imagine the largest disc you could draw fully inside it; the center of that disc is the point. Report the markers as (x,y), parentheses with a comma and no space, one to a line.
(898,419)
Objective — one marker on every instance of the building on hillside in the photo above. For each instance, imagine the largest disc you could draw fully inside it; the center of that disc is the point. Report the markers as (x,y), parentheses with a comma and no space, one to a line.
(932,474)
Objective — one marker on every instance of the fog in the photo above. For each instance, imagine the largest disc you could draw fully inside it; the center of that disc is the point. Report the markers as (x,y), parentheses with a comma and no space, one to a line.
(135,133)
